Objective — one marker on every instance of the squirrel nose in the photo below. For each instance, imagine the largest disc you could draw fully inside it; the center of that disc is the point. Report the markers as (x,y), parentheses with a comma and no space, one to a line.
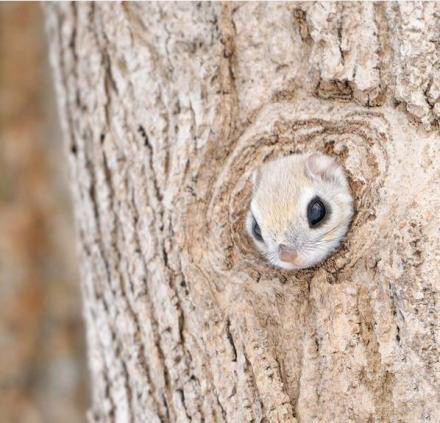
(287,254)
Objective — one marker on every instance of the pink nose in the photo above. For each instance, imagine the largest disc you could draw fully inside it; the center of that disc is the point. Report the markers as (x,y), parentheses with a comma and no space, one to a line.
(287,254)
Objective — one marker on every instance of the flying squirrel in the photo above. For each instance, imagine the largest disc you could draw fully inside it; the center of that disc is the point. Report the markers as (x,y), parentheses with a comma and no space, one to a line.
(300,211)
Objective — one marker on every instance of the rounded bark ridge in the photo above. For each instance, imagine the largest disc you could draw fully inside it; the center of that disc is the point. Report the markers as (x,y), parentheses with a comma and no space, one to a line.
(167,109)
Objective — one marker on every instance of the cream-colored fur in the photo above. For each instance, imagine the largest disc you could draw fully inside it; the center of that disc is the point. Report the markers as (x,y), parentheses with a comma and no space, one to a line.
(283,189)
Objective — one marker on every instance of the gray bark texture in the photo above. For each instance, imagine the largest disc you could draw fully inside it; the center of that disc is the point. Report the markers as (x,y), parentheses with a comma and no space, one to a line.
(167,109)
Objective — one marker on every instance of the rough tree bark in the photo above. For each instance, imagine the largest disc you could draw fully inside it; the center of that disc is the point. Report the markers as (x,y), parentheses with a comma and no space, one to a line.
(167,109)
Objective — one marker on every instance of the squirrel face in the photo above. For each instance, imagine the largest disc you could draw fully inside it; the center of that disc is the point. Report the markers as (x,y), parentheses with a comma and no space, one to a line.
(300,210)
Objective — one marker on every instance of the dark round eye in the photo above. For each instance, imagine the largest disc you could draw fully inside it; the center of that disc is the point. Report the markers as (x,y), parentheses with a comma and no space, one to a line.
(315,212)
(256,231)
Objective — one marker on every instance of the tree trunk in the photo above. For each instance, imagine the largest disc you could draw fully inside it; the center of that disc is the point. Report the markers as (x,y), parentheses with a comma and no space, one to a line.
(167,109)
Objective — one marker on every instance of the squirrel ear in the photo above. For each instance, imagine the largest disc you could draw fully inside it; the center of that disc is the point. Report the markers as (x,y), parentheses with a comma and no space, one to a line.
(319,166)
